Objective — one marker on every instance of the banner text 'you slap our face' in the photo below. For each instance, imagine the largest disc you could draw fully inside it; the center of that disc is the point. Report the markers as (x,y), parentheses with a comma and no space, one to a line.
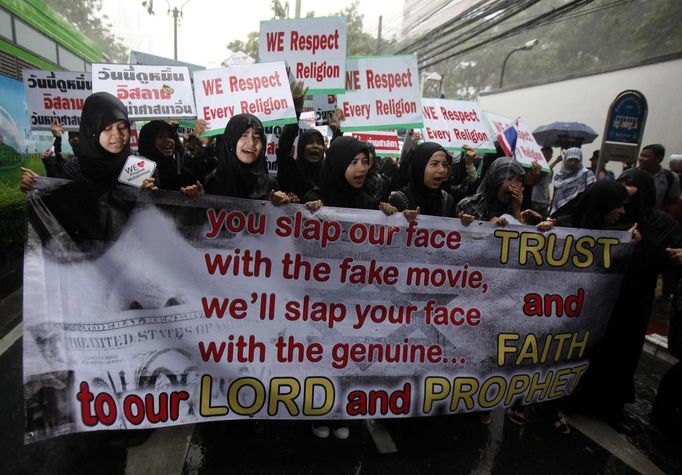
(381,93)
(340,314)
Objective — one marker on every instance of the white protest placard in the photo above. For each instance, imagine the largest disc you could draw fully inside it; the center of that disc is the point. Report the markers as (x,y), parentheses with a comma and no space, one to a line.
(527,149)
(313,48)
(55,96)
(236,58)
(382,92)
(385,142)
(261,89)
(324,106)
(148,92)
(453,124)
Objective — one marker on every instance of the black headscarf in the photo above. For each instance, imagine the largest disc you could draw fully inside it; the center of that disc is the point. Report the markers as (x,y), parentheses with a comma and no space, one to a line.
(234,178)
(484,204)
(100,110)
(172,173)
(333,187)
(596,202)
(658,229)
(429,201)
(308,172)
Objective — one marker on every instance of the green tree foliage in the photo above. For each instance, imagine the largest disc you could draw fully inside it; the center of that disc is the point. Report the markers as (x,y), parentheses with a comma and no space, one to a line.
(87,16)
(604,35)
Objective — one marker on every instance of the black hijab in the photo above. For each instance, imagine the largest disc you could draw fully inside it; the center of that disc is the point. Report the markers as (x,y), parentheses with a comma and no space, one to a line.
(484,204)
(659,229)
(234,178)
(172,174)
(100,110)
(333,187)
(308,172)
(429,201)
(596,202)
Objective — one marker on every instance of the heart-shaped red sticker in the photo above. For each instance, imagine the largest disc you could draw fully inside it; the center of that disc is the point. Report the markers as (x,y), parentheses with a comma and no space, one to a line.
(140,164)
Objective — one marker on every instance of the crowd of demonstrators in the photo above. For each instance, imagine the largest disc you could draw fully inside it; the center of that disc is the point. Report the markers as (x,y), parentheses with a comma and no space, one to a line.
(423,180)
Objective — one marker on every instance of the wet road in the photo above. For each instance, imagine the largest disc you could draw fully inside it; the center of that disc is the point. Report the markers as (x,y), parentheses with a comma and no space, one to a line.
(454,444)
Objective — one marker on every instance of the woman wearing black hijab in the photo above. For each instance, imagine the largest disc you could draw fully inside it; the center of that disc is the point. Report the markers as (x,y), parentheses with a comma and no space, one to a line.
(601,206)
(160,143)
(301,175)
(430,168)
(242,171)
(343,176)
(609,383)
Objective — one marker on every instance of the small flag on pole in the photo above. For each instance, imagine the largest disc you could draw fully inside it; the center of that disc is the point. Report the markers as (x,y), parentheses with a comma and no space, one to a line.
(507,138)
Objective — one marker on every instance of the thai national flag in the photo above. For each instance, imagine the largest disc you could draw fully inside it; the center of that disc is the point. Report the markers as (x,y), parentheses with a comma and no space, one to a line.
(507,139)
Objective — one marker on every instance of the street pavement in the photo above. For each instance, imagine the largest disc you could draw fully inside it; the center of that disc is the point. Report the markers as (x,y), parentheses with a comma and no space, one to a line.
(434,445)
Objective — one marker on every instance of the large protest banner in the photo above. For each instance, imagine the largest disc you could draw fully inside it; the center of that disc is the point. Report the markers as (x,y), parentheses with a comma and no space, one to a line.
(313,48)
(154,309)
(527,149)
(259,89)
(382,92)
(55,96)
(454,124)
(148,92)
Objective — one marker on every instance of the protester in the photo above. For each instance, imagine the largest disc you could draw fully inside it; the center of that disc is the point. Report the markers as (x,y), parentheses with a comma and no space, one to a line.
(667,183)
(159,142)
(608,384)
(242,171)
(430,167)
(570,182)
(602,173)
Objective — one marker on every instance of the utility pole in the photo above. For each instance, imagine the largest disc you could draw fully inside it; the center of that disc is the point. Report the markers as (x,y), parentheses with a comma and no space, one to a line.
(175,13)
(379,36)
(298,8)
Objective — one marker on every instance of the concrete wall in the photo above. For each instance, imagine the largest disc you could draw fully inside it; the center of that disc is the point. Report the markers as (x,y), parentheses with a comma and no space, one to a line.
(587,100)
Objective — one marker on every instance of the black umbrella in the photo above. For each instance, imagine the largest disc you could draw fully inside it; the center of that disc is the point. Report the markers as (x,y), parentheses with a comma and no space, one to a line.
(564,134)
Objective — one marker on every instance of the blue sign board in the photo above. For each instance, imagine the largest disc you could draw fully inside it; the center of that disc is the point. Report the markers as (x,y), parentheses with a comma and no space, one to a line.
(627,118)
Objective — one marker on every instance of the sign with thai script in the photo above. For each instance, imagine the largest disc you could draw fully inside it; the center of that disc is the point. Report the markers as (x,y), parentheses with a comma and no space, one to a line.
(55,96)
(148,92)
(385,142)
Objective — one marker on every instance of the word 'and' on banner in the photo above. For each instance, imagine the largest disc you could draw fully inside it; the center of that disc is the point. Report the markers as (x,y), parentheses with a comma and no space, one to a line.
(181,311)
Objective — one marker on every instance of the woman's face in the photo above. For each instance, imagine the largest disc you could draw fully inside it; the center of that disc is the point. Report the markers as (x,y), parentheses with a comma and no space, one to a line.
(571,164)
(114,138)
(249,146)
(437,170)
(614,215)
(357,170)
(164,143)
(314,149)
(504,192)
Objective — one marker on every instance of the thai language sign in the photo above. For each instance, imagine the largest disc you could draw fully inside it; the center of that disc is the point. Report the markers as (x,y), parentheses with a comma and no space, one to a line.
(259,89)
(185,311)
(527,149)
(313,48)
(148,92)
(453,124)
(55,96)
(385,142)
(382,92)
